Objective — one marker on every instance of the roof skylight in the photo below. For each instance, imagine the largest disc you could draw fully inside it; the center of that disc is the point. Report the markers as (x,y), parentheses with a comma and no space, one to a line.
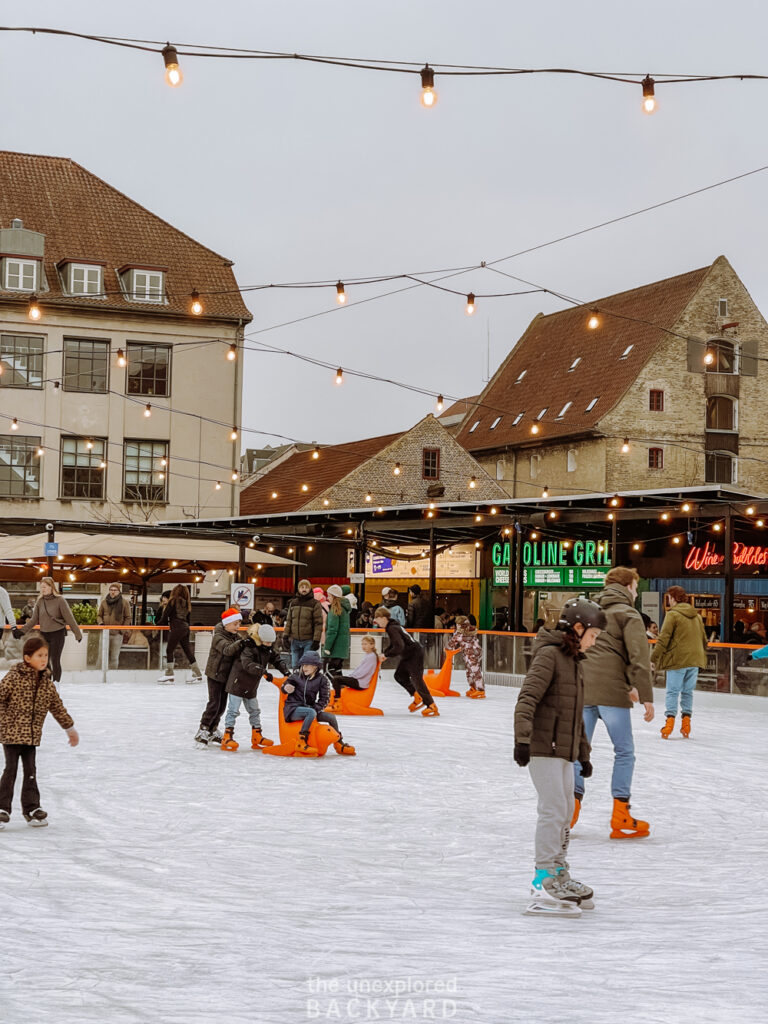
(564,410)
(574,364)
(521,376)
(495,423)
(592,404)
(474,426)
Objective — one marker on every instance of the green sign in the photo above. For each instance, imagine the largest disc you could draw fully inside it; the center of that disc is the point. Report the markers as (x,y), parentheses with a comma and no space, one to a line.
(574,577)
(556,553)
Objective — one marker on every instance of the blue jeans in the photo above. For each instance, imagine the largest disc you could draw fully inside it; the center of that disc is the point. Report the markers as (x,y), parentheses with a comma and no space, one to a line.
(618,722)
(681,682)
(309,715)
(299,647)
(233,710)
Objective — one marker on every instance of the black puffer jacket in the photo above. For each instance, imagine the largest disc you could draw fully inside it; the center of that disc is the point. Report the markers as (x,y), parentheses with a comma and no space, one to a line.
(419,613)
(306,692)
(304,619)
(225,647)
(548,713)
(251,665)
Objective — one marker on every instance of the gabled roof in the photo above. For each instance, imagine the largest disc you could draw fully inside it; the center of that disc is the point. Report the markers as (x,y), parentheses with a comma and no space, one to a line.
(286,479)
(83,217)
(537,373)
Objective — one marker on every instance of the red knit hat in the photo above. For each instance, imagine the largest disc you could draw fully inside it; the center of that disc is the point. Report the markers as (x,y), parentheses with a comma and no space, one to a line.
(231,615)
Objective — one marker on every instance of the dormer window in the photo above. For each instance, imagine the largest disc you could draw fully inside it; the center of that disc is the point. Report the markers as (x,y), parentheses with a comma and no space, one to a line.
(20,275)
(143,284)
(82,278)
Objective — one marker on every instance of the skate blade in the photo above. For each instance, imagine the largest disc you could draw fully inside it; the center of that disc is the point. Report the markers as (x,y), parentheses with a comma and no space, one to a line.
(629,835)
(545,908)
(587,904)
(297,754)
(38,824)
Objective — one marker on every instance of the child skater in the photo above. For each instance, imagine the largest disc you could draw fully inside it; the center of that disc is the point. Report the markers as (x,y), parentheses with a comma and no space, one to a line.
(307,691)
(27,694)
(410,672)
(466,640)
(549,737)
(360,677)
(253,663)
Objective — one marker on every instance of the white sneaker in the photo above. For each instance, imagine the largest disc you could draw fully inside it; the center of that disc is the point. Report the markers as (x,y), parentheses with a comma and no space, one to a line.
(4,819)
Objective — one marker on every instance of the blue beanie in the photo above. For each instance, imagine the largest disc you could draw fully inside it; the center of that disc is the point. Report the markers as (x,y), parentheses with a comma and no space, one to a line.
(310,658)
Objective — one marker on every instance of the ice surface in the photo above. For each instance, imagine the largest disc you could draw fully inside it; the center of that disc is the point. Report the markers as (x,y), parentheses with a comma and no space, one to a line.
(186,886)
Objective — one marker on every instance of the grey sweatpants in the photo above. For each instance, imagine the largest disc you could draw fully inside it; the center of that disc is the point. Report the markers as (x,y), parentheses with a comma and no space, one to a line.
(553,779)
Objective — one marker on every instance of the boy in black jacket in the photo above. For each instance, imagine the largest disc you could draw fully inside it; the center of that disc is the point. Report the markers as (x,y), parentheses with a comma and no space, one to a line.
(225,647)
(410,672)
(306,696)
(256,656)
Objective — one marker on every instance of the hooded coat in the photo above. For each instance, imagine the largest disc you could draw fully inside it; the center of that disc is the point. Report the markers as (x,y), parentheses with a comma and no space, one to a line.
(307,692)
(337,632)
(682,642)
(620,658)
(252,664)
(548,713)
(225,648)
(419,613)
(26,697)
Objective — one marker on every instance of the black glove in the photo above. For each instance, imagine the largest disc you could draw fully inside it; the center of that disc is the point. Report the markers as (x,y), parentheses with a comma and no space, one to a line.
(268,676)
(315,645)
(522,754)
(17,634)
(586,769)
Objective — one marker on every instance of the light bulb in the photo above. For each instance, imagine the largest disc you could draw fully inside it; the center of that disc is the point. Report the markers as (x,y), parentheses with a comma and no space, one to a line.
(232,354)
(274,494)
(316,453)
(687,508)
(102,464)
(439,403)
(665,517)
(339,376)
(341,295)
(326,502)
(473,482)
(161,476)
(121,360)
(566,544)
(89,445)
(625,445)
(218,485)
(305,487)
(310,548)
(271,550)
(33,309)
(545,493)
(594,321)
(147,410)
(380,508)
(173,75)
(717,527)
(174,564)
(368,497)
(428,94)
(750,511)
(478,519)
(430,515)
(611,516)
(675,540)
(709,358)
(649,100)
(470,304)
(163,462)
(41,452)
(759,522)
(235,475)
(14,424)
(534,535)
(614,501)
(396,470)
(635,547)
(553,514)
(196,306)
(493,511)
(233,434)
(535,428)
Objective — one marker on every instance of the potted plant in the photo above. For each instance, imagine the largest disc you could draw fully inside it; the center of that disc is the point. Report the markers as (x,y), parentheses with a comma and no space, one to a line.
(76,657)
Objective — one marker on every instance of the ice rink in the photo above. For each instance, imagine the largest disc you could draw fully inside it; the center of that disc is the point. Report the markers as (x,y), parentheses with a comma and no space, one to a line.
(188,886)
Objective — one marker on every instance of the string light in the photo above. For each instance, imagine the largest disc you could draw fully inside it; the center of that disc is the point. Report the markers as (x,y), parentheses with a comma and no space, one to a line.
(233,434)
(89,444)
(611,516)
(33,309)
(173,74)
(553,514)
(594,320)
(232,353)
(339,376)
(14,424)
(396,470)
(310,548)
(316,453)
(161,476)
(40,452)
(478,544)
(439,403)
(493,511)
(665,517)
(566,544)
(635,547)
(750,511)
(271,549)
(470,304)
(121,360)
(88,560)
(473,482)
(368,496)
(535,428)
(251,544)
(685,507)
(615,501)
(676,540)
(341,295)
(649,99)
(274,494)
(125,572)
(147,410)
(759,522)
(430,515)
(545,492)
(478,519)
(195,306)
(305,487)
(380,509)
(218,485)
(235,475)
(709,358)
(290,551)
(102,464)
(326,501)
(72,577)
(717,527)
(428,94)
(625,446)
(534,535)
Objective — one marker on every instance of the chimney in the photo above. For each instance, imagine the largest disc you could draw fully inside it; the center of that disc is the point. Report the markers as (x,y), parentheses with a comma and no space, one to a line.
(17,222)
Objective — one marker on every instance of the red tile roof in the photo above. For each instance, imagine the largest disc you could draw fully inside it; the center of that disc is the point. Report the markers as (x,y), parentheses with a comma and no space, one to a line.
(459,407)
(82,216)
(335,462)
(550,346)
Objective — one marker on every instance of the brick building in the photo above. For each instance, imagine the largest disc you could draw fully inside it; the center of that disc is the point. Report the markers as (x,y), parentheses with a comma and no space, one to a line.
(664,391)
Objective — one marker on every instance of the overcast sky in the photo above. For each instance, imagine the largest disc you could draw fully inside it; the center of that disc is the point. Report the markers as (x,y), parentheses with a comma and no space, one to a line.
(301,172)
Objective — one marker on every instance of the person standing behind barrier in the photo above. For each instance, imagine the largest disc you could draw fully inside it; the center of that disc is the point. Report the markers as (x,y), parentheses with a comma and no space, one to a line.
(6,610)
(336,649)
(176,615)
(418,615)
(52,615)
(466,640)
(114,610)
(617,673)
(303,623)
(389,598)
(681,650)
(410,671)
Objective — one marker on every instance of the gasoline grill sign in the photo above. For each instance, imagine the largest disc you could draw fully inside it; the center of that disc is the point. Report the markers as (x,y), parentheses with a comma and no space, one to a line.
(552,554)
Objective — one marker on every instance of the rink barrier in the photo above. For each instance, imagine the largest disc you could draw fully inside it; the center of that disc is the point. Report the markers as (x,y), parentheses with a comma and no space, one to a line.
(505,656)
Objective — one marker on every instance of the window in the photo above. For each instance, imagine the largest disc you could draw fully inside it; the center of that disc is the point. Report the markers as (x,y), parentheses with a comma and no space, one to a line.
(719,468)
(20,275)
(147,286)
(430,463)
(21,360)
(720,357)
(592,404)
(626,351)
(149,369)
(721,413)
(84,279)
(534,467)
(517,418)
(19,466)
(574,364)
(571,460)
(82,475)
(564,410)
(142,469)
(541,412)
(655,458)
(86,365)
(656,400)
(495,423)
(474,426)
(521,376)
(722,307)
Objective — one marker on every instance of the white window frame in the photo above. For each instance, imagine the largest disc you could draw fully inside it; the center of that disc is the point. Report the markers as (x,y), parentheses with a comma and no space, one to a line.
(517,418)
(592,404)
(564,410)
(495,423)
(521,376)
(87,270)
(23,266)
(570,463)
(150,294)
(474,426)
(626,351)
(574,364)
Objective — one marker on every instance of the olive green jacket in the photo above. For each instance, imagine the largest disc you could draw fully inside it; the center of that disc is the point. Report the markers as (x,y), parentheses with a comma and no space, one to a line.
(621,657)
(682,642)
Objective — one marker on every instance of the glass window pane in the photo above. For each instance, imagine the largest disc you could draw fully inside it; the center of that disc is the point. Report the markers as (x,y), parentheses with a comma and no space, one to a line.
(21,357)
(19,466)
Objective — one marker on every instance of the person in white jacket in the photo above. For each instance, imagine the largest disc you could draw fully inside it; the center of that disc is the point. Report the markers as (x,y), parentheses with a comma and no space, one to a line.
(6,609)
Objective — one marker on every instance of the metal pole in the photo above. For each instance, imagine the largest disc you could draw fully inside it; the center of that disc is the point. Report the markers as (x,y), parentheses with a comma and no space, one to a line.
(729,581)
(510,580)
(519,586)
(242,568)
(432,571)
(51,538)
(614,540)
(143,612)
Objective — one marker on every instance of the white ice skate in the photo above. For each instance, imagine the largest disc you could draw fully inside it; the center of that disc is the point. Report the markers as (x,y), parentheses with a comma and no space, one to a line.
(203,737)
(550,898)
(167,678)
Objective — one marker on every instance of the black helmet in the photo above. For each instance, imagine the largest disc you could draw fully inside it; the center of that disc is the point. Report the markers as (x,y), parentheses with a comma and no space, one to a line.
(579,609)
